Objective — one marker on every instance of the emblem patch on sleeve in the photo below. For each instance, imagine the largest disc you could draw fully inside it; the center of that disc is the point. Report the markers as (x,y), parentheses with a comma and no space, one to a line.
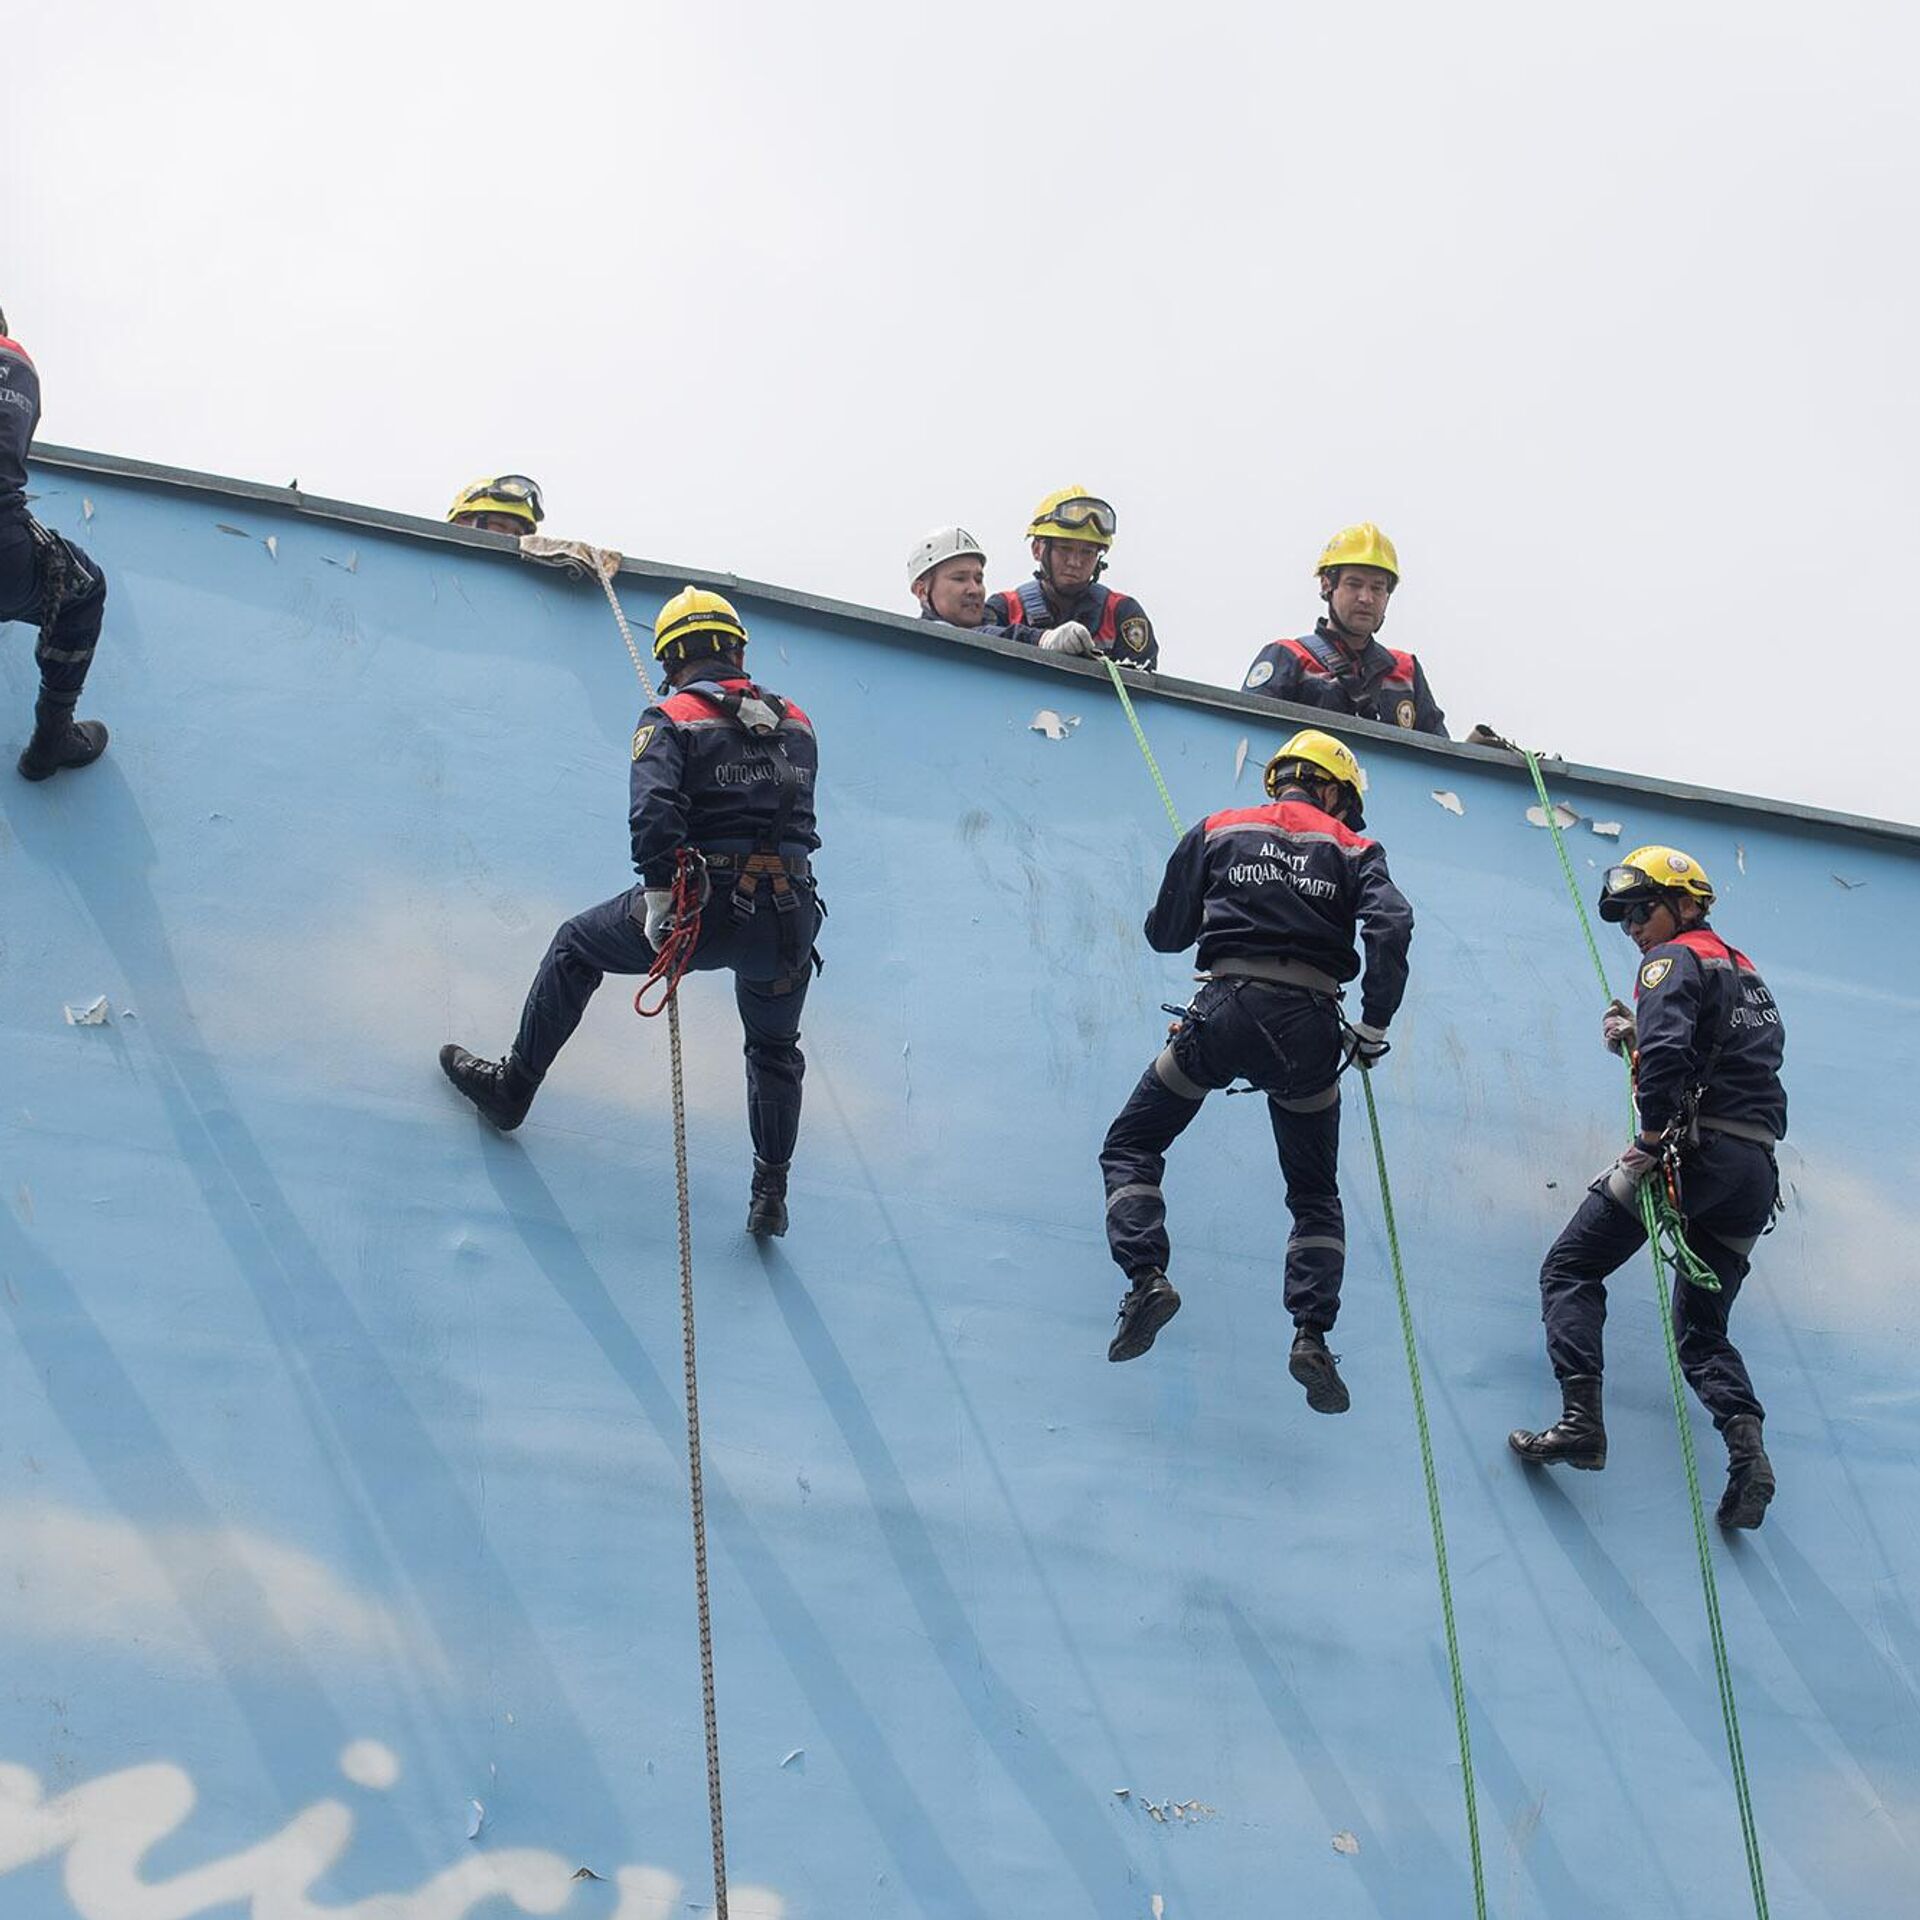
(1134,633)
(1654,972)
(1261,674)
(1403,713)
(640,738)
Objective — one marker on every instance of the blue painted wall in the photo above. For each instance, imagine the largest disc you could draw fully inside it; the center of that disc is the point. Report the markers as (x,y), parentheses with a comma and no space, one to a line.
(347,1549)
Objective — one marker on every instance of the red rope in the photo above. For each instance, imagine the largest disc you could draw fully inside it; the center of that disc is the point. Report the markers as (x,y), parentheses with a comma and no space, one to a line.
(675,954)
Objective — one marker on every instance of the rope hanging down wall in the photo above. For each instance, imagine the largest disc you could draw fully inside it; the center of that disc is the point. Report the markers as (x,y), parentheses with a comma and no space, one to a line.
(603,563)
(1413,1375)
(1662,1231)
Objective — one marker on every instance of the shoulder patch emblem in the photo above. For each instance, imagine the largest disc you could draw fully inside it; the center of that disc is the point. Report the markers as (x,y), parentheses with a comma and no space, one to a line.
(1403,713)
(1655,971)
(1261,674)
(640,738)
(1134,633)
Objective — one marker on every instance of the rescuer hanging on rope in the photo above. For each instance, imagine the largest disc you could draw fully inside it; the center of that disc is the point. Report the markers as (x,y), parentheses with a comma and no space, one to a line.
(48,580)
(1064,608)
(1340,665)
(724,771)
(1707,1043)
(1273,894)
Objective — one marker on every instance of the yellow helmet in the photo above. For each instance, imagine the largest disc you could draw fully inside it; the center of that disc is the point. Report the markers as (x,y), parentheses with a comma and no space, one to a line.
(510,493)
(1073,513)
(1332,757)
(693,611)
(1361,546)
(1647,872)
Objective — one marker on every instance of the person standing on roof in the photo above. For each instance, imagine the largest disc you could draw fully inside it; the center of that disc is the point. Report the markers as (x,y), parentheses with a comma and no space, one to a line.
(1707,1044)
(509,503)
(1064,608)
(722,771)
(946,573)
(1340,665)
(1274,895)
(46,579)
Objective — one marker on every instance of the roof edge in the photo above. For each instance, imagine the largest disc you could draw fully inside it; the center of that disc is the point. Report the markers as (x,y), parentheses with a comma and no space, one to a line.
(914,630)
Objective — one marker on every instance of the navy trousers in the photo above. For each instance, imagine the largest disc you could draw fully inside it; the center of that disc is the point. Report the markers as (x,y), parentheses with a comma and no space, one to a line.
(770,988)
(1728,1188)
(27,555)
(1286,1041)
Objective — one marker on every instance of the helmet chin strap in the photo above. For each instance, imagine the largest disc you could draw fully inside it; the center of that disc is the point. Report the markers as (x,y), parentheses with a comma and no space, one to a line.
(1309,792)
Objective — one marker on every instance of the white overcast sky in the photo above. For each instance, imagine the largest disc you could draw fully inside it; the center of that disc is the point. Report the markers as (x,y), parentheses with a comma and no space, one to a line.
(1609,315)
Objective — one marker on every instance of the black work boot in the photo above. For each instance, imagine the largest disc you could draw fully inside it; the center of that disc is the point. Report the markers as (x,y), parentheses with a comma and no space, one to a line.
(1147,1305)
(1315,1368)
(59,740)
(1578,1438)
(1749,1474)
(767,1209)
(503,1090)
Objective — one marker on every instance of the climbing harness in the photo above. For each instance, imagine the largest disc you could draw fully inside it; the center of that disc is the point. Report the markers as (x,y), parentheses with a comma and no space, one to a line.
(1413,1374)
(670,964)
(1662,1219)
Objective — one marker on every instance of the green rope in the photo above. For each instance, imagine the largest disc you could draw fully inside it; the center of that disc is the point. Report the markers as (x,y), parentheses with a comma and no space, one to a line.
(1650,1216)
(1433,1502)
(1139,733)
(1413,1373)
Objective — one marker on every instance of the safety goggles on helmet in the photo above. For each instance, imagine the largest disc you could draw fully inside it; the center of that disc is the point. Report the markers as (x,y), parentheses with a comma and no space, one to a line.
(1620,880)
(512,490)
(1622,889)
(1078,515)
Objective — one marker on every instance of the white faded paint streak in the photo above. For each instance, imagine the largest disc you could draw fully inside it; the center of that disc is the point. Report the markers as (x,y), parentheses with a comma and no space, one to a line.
(106,1827)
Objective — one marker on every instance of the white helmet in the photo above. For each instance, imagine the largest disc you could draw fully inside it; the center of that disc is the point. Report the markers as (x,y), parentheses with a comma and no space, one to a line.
(943,543)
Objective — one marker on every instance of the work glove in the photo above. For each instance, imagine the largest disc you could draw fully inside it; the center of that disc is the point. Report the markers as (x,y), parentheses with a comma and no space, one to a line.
(656,905)
(1069,637)
(1366,1045)
(1630,1169)
(1617,1030)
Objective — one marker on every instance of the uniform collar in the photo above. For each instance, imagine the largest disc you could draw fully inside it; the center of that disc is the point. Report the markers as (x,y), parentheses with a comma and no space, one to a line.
(1371,661)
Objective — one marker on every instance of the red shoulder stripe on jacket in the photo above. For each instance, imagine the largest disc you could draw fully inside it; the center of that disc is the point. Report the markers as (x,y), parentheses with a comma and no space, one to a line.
(688,706)
(1287,816)
(1708,945)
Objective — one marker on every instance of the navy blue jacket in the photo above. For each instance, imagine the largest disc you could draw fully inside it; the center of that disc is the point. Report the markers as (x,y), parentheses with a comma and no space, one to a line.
(1117,621)
(19,416)
(702,777)
(1286,881)
(1316,671)
(986,626)
(1691,990)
